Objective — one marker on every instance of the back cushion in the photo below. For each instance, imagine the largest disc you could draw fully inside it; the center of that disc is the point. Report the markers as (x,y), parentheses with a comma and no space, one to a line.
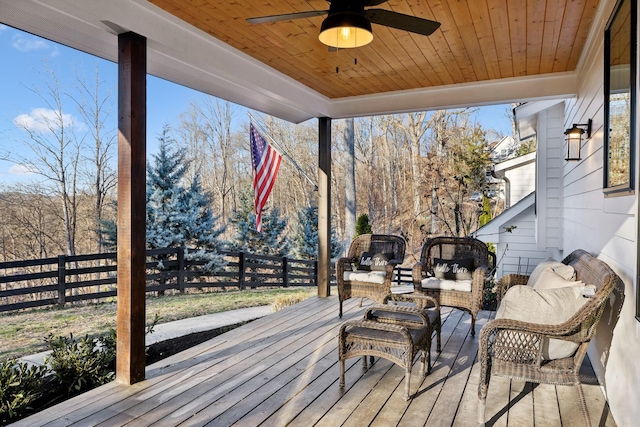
(453,269)
(370,261)
(565,271)
(547,307)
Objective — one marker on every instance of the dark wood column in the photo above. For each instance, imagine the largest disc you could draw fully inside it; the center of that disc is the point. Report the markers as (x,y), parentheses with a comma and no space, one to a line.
(132,152)
(324,207)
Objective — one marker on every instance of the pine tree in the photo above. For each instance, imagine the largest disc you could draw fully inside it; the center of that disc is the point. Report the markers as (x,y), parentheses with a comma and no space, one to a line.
(180,214)
(362,225)
(272,241)
(177,213)
(305,238)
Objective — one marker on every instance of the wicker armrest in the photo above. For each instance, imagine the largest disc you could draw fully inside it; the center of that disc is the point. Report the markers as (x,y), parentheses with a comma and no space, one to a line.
(343,261)
(558,331)
(507,281)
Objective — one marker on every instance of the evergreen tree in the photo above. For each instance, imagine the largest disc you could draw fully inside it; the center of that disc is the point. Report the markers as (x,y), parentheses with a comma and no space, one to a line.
(177,213)
(362,225)
(272,241)
(305,239)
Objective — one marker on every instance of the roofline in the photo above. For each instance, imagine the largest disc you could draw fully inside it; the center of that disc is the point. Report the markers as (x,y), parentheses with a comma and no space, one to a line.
(492,228)
(183,54)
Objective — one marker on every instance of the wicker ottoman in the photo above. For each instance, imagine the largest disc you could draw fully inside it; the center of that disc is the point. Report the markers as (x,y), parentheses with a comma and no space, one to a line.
(395,333)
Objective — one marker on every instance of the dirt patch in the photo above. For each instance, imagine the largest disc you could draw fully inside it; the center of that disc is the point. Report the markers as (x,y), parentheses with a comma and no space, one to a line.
(164,349)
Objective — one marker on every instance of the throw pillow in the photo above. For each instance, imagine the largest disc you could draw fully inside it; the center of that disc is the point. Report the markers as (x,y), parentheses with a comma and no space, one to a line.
(565,271)
(549,279)
(546,307)
(453,269)
(370,261)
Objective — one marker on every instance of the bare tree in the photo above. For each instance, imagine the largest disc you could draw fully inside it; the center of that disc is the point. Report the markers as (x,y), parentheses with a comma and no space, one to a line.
(350,180)
(94,106)
(55,150)
(212,148)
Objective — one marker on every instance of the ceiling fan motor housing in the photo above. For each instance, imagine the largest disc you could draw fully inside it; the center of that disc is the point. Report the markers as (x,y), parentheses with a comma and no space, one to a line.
(346,26)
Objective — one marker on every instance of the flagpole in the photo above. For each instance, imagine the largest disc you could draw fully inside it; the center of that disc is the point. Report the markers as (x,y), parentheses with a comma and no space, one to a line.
(280,149)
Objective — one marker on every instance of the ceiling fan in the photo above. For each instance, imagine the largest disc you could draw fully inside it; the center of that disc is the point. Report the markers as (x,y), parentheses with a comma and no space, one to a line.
(348,23)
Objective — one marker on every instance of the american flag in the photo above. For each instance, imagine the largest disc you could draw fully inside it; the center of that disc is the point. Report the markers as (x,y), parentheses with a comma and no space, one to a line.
(265,162)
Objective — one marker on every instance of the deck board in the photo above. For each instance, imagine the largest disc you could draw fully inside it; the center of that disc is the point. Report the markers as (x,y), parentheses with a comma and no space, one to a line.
(283,369)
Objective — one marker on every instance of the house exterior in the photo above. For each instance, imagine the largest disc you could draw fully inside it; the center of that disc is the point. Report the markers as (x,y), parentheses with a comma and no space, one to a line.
(477,59)
(569,210)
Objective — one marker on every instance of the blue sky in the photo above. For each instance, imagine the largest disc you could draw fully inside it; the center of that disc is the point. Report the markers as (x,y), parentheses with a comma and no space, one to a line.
(23,63)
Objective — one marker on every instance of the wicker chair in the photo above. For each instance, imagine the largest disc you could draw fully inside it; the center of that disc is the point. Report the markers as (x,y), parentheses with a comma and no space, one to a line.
(376,243)
(454,248)
(514,349)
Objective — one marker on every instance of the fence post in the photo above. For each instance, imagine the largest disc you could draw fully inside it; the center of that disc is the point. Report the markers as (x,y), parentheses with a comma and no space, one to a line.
(315,272)
(285,272)
(181,269)
(241,273)
(61,279)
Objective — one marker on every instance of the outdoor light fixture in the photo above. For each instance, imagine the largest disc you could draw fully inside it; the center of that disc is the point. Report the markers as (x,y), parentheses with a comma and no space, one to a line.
(573,138)
(345,30)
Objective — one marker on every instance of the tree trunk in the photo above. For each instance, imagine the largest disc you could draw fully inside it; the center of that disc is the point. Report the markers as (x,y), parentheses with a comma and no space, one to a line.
(349,181)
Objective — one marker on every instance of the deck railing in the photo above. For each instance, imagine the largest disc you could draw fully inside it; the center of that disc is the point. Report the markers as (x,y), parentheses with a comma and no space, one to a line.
(66,279)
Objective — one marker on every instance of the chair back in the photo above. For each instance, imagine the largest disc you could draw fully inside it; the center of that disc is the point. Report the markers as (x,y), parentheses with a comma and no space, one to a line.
(378,243)
(446,247)
(592,271)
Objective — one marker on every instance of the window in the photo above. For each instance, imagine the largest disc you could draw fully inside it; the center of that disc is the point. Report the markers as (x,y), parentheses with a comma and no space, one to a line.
(619,105)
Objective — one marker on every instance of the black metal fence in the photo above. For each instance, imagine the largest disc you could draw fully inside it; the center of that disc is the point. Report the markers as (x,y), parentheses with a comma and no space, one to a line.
(66,279)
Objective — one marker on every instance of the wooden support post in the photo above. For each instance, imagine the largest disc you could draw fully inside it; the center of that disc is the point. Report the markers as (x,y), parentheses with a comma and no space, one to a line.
(132,114)
(324,207)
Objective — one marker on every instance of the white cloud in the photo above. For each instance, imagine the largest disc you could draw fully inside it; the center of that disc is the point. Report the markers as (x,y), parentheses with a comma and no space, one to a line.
(3,27)
(25,43)
(20,169)
(45,120)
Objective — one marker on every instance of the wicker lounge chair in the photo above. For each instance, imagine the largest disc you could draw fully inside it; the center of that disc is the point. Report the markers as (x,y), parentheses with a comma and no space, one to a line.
(451,248)
(514,349)
(376,285)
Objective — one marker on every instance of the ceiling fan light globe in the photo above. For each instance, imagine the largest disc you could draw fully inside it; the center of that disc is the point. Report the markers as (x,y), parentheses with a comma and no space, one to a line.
(344,30)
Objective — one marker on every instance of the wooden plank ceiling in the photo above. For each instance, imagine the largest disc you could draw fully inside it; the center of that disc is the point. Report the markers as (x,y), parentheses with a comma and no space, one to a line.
(478,40)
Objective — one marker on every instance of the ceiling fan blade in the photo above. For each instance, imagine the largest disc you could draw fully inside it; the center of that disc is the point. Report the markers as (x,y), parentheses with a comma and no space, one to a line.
(286,16)
(369,3)
(401,21)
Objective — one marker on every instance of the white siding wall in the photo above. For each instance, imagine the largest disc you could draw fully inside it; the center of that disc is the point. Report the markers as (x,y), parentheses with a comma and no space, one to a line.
(522,181)
(550,161)
(515,251)
(606,227)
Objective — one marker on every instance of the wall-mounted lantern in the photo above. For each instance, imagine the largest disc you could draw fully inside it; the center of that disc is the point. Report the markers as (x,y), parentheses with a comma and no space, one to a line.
(573,138)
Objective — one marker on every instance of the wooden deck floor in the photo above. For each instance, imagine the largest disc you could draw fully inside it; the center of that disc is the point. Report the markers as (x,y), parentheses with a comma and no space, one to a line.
(283,370)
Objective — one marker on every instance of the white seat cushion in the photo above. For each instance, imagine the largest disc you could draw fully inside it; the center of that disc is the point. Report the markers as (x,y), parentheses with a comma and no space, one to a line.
(547,307)
(365,276)
(449,285)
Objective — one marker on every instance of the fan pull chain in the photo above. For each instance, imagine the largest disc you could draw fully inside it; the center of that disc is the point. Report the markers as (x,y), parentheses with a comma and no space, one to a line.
(355,61)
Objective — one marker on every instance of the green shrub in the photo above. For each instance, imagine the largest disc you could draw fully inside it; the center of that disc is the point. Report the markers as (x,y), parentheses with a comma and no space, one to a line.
(489,297)
(20,385)
(82,364)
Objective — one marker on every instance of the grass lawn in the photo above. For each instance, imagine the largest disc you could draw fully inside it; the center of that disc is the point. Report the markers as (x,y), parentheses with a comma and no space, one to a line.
(22,333)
